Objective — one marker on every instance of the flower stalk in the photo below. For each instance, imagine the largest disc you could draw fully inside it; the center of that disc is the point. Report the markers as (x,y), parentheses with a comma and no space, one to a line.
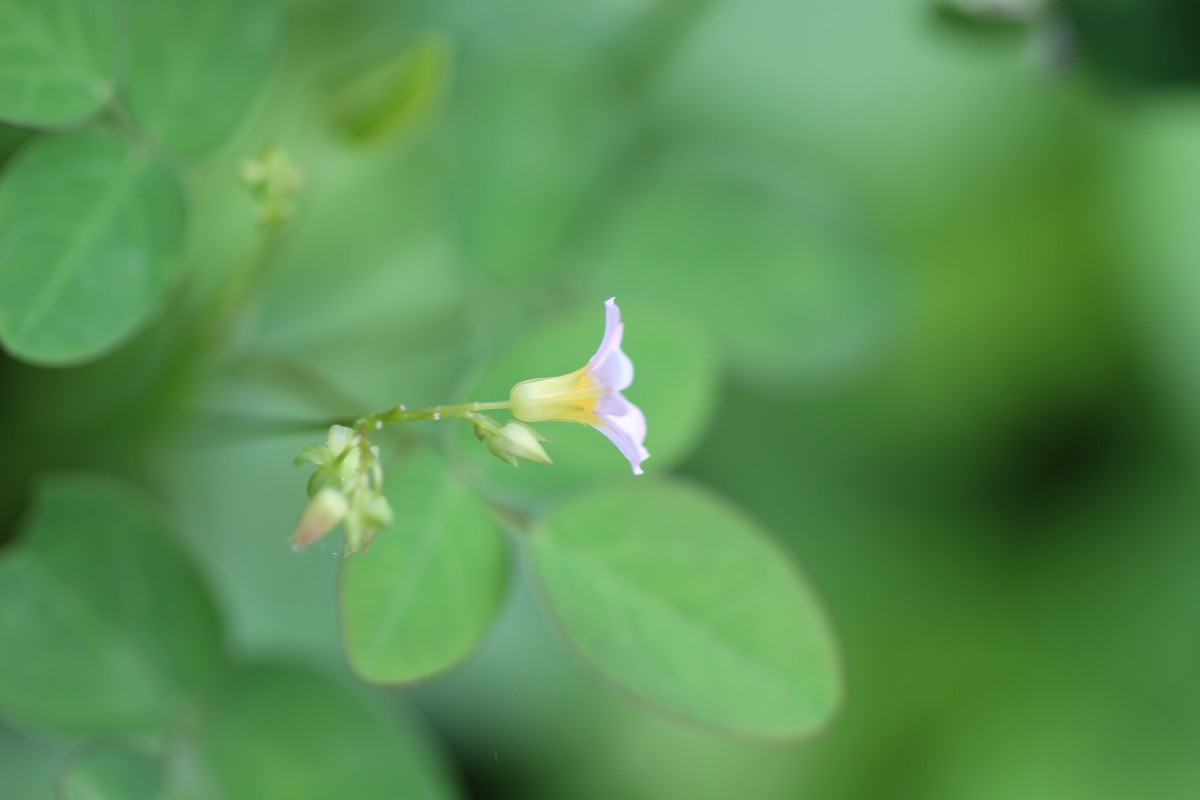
(401,414)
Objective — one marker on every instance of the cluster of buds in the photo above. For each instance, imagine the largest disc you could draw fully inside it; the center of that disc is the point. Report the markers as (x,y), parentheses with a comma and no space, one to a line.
(274,180)
(346,487)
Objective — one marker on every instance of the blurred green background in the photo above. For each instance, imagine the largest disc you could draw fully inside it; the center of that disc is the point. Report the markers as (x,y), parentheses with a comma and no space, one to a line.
(917,286)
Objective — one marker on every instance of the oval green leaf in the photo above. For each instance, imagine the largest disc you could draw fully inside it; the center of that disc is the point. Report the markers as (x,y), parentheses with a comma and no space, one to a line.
(680,599)
(196,68)
(797,293)
(56,59)
(282,731)
(674,385)
(421,598)
(90,229)
(110,773)
(106,624)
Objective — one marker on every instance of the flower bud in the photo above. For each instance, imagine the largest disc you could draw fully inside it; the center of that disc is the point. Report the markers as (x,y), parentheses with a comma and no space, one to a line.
(274,180)
(338,460)
(363,522)
(322,514)
(517,440)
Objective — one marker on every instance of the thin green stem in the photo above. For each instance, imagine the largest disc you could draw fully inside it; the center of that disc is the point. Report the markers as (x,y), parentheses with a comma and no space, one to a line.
(400,415)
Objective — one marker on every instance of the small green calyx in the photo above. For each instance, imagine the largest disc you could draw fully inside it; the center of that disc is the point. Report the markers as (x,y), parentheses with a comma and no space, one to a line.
(339,460)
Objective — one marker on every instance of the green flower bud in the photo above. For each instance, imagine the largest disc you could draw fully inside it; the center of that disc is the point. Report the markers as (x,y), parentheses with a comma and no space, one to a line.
(518,440)
(274,180)
(339,460)
(363,522)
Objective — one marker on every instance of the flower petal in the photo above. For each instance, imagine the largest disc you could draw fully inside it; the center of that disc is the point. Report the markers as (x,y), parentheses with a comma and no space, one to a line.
(625,426)
(614,371)
(613,329)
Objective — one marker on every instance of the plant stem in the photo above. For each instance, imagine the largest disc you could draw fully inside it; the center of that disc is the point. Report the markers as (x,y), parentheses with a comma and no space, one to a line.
(400,415)
(239,291)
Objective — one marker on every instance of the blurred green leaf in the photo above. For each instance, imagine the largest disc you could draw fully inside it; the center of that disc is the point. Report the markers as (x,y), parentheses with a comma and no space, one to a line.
(1148,45)
(679,598)
(981,15)
(238,499)
(791,286)
(56,59)
(1149,225)
(287,732)
(393,96)
(196,68)
(645,42)
(532,142)
(105,622)
(30,765)
(90,230)
(112,774)
(422,597)
(674,385)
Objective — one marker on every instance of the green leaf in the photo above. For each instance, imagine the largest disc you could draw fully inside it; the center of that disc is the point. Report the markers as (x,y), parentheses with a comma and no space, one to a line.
(287,732)
(90,230)
(423,595)
(394,96)
(679,598)
(674,385)
(238,502)
(112,774)
(1145,197)
(783,276)
(196,68)
(989,18)
(106,623)
(56,59)
(31,764)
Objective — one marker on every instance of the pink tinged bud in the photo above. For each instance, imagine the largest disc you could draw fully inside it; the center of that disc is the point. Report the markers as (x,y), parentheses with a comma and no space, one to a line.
(324,511)
(591,395)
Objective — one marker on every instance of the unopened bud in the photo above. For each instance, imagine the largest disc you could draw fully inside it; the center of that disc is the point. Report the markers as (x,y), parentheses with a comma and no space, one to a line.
(322,514)
(274,180)
(362,523)
(517,440)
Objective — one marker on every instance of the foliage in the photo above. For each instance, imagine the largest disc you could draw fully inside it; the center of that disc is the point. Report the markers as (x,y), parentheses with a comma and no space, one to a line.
(113,632)
(909,293)
(92,230)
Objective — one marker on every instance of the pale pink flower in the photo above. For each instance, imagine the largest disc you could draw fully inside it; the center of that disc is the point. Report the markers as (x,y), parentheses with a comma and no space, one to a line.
(591,395)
